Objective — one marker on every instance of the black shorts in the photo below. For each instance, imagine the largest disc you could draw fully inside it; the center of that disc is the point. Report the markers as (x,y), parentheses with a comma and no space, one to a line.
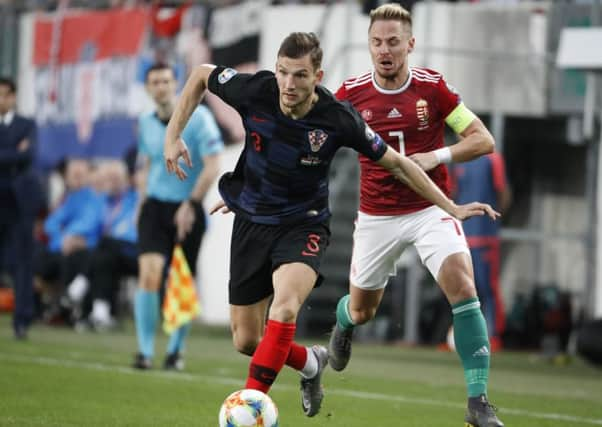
(257,250)
(157,231)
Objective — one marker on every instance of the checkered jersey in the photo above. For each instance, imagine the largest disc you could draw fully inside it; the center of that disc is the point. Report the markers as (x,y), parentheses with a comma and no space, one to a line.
(282,174)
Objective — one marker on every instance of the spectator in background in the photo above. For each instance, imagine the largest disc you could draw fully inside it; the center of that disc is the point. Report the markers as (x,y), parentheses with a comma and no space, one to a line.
(20,194)
(485,179)
(116,255)
(173,210)
(72,229)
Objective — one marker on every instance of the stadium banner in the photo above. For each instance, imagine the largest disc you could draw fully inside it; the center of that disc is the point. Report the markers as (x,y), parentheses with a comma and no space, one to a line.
(233,37)
(86,85)
(81,75)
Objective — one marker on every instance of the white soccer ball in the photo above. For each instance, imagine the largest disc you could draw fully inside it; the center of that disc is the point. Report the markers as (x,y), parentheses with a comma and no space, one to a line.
(248,408)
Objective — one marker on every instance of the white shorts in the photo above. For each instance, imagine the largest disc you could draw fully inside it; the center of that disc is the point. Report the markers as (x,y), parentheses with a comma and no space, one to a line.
(378,242)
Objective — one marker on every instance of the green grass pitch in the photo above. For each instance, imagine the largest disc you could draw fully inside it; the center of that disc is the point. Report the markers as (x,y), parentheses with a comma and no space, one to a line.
(62,378)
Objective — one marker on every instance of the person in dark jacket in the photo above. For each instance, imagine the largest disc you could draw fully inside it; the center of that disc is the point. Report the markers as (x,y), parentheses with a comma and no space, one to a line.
(19,201)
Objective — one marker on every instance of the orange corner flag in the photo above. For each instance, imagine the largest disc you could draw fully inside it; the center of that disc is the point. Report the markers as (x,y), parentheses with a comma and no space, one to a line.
(181,303)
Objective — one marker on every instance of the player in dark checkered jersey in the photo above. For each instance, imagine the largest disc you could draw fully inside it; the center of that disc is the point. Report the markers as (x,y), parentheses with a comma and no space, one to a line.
(279,194)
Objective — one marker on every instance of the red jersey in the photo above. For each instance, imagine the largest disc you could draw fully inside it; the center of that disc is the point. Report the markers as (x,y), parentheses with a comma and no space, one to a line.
(410,119)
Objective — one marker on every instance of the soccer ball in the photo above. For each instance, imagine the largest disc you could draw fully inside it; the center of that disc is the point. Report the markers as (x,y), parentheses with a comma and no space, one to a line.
(248,408)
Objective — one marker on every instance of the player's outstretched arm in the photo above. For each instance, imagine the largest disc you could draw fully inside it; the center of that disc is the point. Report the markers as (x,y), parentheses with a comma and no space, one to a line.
(193,92)
(476,141)
(407,171)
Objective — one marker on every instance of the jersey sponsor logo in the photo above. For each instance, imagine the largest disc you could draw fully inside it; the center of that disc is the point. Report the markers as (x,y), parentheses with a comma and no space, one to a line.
(481,352)
(317,138)
(393,114)
(226,75)
(310,160)
(422,112)
(367,114)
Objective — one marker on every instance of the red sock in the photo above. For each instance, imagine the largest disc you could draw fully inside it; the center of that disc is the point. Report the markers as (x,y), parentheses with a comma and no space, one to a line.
(296,357)
(270,355)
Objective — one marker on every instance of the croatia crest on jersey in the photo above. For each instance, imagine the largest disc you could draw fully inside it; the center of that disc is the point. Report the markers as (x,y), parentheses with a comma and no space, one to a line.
(317,138)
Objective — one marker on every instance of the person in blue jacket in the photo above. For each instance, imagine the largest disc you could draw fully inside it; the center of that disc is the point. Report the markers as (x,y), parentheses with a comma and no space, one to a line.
(116,255)
(73,229)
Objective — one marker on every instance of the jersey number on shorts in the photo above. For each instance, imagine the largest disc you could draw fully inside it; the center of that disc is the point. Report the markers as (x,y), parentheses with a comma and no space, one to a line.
(453,221)
(399,135)
(313,245)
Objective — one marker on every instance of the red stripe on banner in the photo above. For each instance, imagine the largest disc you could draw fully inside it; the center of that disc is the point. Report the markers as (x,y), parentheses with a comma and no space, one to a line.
(110,33)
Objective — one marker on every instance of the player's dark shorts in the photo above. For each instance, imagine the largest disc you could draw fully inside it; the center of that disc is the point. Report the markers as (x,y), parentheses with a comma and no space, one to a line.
(157,231)
(257,250)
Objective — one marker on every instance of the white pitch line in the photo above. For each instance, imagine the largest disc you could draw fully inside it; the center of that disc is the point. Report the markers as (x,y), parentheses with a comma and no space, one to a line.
(334,391)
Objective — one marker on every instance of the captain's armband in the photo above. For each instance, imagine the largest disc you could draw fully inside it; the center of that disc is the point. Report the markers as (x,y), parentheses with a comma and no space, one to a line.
(460,118)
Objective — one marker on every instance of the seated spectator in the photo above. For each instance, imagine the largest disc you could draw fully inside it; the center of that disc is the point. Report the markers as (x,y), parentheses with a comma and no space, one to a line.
(72,229)
(116,254)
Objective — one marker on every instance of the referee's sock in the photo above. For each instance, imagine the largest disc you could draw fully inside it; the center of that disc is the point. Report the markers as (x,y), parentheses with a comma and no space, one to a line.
(176,341)
(146,316)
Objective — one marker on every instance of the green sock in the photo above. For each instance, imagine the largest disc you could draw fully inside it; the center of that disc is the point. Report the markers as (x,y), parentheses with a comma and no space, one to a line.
(344,319)
(472,344)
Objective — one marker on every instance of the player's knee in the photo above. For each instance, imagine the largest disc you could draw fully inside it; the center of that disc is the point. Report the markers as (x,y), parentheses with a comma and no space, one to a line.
(245,344)
(363,315)
(286,313)
(467,290)
(149,282)
(461,290)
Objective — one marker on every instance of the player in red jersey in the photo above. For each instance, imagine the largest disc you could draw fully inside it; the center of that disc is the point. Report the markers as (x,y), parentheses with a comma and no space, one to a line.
(409,108)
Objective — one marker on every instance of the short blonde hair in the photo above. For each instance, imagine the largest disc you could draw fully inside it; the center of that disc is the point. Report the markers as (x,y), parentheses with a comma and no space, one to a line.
(391,12)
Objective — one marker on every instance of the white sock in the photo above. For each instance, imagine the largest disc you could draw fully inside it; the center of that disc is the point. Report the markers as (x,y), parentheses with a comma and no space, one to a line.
(310,369)
(77,288)
(101,311)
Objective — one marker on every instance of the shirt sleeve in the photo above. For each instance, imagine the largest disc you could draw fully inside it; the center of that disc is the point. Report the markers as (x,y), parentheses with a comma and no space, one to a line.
(341,93)
(362,138)
(54,223)
(210,137)
(142,148)
(230,86)
(457,115)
